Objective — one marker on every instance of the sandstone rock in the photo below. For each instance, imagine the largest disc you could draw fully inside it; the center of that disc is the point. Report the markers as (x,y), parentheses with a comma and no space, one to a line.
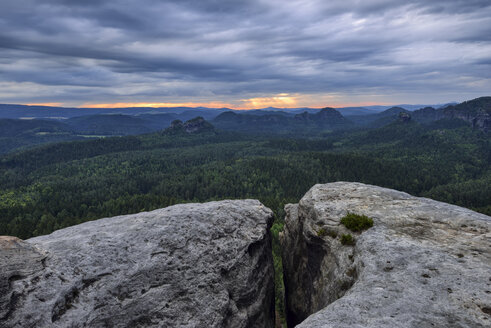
(195,125)
(423,264)
(477,112)
(190,265)
(404,117)
(18,259)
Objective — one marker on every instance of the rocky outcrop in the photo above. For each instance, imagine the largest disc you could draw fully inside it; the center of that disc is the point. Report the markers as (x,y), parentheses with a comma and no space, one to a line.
(427,115)
(477,112)
(404,117)
(326,116)
(423,263)
(195,125)
(480,120)
(191,265)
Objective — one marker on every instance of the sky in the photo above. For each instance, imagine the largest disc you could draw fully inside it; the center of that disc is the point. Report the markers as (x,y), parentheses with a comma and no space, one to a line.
(243,54)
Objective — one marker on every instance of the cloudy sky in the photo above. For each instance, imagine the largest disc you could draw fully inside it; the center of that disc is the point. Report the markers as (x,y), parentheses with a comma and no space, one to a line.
(244,54)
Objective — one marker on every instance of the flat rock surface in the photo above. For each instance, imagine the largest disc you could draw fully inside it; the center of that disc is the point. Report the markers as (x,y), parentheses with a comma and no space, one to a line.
(423,264)
(190,265)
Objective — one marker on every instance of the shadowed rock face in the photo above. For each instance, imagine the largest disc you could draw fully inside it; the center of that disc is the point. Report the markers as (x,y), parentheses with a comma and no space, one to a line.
(480,120)
(477,112)
(191,265)
(423,264)
(18,259)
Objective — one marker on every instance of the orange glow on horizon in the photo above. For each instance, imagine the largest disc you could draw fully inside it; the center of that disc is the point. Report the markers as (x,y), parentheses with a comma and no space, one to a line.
(282,100)
(52,104)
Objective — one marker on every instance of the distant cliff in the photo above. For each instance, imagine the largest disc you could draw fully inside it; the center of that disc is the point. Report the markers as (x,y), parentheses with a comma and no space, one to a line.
(423,263)
(191,265)
(477,112)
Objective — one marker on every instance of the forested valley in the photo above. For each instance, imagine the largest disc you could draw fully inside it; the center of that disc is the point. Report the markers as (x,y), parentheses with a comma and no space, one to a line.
(62,184)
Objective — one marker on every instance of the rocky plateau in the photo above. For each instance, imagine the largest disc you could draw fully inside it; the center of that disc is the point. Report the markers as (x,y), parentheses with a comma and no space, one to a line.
(190,265)
(423,263)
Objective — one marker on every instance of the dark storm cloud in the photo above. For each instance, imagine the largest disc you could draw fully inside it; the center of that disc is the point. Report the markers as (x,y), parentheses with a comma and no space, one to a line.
(91,50)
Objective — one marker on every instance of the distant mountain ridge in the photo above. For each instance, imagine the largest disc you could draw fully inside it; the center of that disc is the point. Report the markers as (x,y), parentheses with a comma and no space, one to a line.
(18,133)
(476,112)
(51,112)
(326,115)
(325,119)
(379,119)
(47,112)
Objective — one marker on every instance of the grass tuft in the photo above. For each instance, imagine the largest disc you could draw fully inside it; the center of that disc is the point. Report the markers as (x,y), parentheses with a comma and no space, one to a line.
(347,240)
(355,222)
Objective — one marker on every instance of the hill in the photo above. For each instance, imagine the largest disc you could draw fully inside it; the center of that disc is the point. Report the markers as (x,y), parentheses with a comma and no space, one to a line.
(16,128)
(49,112)
(272,123)
(350,111)
(16,134)
(116,124)
(379,119)
(476,112)
(193,126)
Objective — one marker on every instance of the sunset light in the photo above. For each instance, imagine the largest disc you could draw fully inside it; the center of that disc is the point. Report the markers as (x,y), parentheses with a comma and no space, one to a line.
(51,104)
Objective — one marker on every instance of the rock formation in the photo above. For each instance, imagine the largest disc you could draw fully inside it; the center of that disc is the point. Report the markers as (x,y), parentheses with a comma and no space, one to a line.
(326,116)
(195,125)
(404,117)
(423,263)
(477,112)
(190,265)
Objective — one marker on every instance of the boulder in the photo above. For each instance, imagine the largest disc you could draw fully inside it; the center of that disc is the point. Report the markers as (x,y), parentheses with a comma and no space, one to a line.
(190,265)
(423,263)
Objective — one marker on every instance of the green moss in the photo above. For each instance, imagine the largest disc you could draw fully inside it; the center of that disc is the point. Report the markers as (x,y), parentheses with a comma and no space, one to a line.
(347,240)
(355,222)
(326,232)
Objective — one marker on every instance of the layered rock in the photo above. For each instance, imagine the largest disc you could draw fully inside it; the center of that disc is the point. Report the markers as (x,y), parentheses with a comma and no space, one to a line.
(423,263)
(480,120)
(190,265)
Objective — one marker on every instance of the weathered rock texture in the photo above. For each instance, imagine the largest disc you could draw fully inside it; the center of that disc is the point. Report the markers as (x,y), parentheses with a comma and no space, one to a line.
(192,265)
(423,264)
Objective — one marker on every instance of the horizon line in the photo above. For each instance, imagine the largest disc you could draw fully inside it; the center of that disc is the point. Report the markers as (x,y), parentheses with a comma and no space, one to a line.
(203,106)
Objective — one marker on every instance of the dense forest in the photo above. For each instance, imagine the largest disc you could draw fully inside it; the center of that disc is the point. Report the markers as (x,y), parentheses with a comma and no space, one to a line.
(57,185)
